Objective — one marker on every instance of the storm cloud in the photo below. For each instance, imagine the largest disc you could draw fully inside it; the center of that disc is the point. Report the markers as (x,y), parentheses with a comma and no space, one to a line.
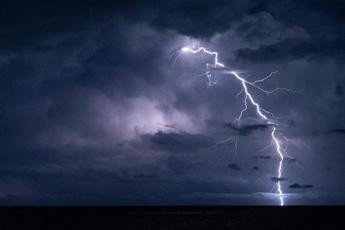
(94,108)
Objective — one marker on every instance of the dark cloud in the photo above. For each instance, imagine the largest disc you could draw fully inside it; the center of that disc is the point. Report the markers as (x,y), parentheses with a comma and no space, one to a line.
(323,25)
(246,129)
(186,17)
(339,91)
(37,19)
(339,131)
(180,142)
(256,168)
(200,18)
(263,157)
(234,166)
(276,179)
(296,185)
(290,159)
(291,49)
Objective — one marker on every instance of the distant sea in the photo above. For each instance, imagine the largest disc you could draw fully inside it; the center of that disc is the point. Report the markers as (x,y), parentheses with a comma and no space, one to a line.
(173,217)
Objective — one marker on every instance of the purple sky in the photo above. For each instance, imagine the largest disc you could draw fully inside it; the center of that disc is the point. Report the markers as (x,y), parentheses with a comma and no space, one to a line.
(93,110)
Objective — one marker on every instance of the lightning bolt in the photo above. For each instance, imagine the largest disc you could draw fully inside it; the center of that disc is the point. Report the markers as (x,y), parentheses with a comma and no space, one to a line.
(281,156)
(262,113)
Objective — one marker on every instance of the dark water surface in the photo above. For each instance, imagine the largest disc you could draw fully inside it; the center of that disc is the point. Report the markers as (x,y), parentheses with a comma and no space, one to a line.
(150,218)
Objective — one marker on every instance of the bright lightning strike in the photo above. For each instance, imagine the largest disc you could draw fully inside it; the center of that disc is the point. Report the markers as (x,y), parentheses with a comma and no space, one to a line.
(248,97)
(216,63)
(279,151)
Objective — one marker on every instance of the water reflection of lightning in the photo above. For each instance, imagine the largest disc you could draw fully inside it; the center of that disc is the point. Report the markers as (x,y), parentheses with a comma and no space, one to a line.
(248,97)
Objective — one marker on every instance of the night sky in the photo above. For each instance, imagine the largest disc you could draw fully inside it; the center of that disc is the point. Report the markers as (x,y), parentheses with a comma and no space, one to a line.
(95,110)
